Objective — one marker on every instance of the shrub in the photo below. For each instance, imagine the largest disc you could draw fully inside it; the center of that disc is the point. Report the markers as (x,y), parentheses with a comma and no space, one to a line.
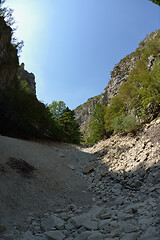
(96,126)
(116,108)
(125,123)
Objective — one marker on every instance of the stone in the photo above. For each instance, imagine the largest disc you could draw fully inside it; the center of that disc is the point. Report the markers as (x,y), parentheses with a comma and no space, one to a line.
(52,222)
(69,226)
(71,166)
(128,228)
(96,212)
(84,235)
(55,235)
(78,221)
(29,78)
(91,225)
(96,236)
(138,184)
(88,169)
(2,228)
(105,224)
(131,236)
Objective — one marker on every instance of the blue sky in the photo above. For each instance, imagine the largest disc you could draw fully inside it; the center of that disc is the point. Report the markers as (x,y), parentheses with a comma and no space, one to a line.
(72,45)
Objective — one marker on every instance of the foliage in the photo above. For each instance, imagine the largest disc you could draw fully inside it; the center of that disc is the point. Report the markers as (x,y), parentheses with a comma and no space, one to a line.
(69,126)
(65,120)
(22,115)
(7,14)
(125,123)
(156,2)
(116,108)
(139,95)
(96,126)
(57,108)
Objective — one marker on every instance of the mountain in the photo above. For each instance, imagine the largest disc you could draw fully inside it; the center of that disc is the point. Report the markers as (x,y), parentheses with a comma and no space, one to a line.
(119,75)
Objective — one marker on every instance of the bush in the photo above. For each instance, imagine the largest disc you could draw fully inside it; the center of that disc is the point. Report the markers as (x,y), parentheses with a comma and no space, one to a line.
(96,126)
(115,109)
(125,123)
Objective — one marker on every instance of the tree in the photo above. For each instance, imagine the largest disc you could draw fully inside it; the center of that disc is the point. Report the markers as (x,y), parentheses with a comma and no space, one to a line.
(7,14)
(156,2)
(65,120)
(96,125)
(69,126)
(57,108)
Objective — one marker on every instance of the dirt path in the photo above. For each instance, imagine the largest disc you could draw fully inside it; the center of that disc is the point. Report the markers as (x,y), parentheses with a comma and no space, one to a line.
(52,184)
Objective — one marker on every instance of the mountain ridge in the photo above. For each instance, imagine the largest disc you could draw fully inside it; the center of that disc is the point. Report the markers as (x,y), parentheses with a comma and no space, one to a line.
(119,75)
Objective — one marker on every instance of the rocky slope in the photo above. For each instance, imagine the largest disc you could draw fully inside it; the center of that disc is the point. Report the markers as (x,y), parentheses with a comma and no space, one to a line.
(119,75)
(122,175)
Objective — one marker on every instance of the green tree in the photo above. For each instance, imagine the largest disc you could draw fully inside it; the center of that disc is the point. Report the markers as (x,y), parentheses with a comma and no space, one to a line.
(57,108)
(156,2)
(22,115)
(65,121)
(7,14)
(96,125)
(70,127)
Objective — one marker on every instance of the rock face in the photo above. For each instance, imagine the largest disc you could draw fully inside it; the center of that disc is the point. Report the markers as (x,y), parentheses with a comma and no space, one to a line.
(119,75)
(84,111)
(8,57)
(28,78)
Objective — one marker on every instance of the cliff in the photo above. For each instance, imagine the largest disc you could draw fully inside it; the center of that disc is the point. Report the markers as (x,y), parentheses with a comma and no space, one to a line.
(119,75)
(11,74)
(8,57)
(27,79)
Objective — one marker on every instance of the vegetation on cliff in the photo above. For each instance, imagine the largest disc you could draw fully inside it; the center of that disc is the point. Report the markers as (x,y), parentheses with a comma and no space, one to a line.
(156,2)
(138,99)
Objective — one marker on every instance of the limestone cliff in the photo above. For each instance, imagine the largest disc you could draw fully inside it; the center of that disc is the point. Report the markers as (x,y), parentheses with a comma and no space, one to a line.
(27,78)
(84,111)
(8,57)
(119,75)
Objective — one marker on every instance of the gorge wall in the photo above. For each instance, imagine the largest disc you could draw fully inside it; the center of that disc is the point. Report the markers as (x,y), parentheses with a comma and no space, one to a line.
(8,57)
(11,74)
(119,76)
(27,78)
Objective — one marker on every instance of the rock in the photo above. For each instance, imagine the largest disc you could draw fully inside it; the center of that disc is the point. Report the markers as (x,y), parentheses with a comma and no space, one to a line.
(96,212)
(78,221)
(138,184)
(52,222)
(128,228)
(84,235)
(71,166)
(96,236)
(2,228)
(55,235)
(29,78)
(69,226)
(88,169)
(91,225)
(131,236)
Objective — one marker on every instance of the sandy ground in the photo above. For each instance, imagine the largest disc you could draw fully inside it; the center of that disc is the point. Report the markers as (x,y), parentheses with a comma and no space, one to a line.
(52,185)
